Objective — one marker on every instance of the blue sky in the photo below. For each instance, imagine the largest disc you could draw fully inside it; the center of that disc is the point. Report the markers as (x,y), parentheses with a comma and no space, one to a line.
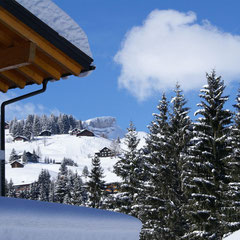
(133,70)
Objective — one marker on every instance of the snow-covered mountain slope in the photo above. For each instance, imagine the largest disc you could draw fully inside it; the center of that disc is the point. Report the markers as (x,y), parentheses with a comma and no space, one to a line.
(234,236)
(104,126)
(79,149)
(27,220)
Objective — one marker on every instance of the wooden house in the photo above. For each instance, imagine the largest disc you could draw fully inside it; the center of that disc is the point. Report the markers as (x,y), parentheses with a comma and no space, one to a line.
(22,187)
(45,133)
(85,133)
(75,131)
(20,139)
(16,164)
(105,152)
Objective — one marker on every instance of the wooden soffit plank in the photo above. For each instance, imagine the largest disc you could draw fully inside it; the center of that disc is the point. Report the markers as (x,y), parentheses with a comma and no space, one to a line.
(31,74)
(17,56)
(21,29)
(5,40)
(3,86)
(14,77)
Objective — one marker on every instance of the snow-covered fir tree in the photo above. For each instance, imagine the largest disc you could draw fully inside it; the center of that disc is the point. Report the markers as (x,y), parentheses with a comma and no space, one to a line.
(85,172)
(233,214)
(129,168)
(34,191)
(78,194)
(13,156)
(28,126)
(14,127)
(61,184)
(20,127)
(204,177)
(37,128)
(11,191)
(180,134)
(95,184)
(24,157)
(53,121)
(45,123)
(72,122)
(44,184)
(154,200)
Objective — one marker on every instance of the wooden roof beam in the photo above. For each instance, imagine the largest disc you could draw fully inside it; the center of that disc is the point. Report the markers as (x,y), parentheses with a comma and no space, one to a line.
(21,29)
(18,56)
(3,86)
(15,78)
(29,73)
(53,72)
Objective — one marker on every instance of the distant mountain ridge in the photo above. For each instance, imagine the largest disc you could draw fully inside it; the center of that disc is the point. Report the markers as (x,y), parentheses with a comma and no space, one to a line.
(104,127)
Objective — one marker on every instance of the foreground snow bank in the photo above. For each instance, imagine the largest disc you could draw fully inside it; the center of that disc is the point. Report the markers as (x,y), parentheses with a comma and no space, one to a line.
(234,236)
(26,220)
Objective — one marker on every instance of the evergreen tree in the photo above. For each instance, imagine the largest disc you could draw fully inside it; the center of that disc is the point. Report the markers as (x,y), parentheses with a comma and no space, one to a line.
(54,124)
(11,190)
(154,202)
(79,124)
(28,127)
(15,128)
(85,172)
(61,184)
(77,191)
(204,177)
(180,133)
(24,157)
(72,122)
(95,184)
(13,156)
(44,183)
(11,126)
(162,193)
(232,219)
(129,168)
(20,127)
(65,124)
(45,123)
(34,191)
(37,128)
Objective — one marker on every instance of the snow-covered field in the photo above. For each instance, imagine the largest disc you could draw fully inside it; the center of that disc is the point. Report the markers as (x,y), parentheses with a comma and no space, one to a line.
(79,149)
(27,220)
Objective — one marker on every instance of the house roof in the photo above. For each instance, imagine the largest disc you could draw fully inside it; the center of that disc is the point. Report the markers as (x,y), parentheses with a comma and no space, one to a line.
(23,137)
(105,148)
(31,51)
(16,162)
(85,130)
(45,131)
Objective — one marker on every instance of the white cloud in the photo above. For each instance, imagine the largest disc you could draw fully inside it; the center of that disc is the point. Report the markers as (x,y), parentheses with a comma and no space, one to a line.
(171,47)
(21,110)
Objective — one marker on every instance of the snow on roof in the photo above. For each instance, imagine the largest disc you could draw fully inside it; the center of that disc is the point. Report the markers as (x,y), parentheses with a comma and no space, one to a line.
(26,220)
(57,19)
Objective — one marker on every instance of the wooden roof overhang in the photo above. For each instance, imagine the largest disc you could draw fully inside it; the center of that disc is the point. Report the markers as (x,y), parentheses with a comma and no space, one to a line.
(31,51)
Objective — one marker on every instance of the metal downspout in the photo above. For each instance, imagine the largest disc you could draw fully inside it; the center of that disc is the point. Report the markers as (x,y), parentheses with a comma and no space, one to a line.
(2,149)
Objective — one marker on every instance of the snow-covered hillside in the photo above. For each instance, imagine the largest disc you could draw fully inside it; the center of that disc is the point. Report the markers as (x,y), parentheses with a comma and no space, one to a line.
(27,220)
(79,149)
